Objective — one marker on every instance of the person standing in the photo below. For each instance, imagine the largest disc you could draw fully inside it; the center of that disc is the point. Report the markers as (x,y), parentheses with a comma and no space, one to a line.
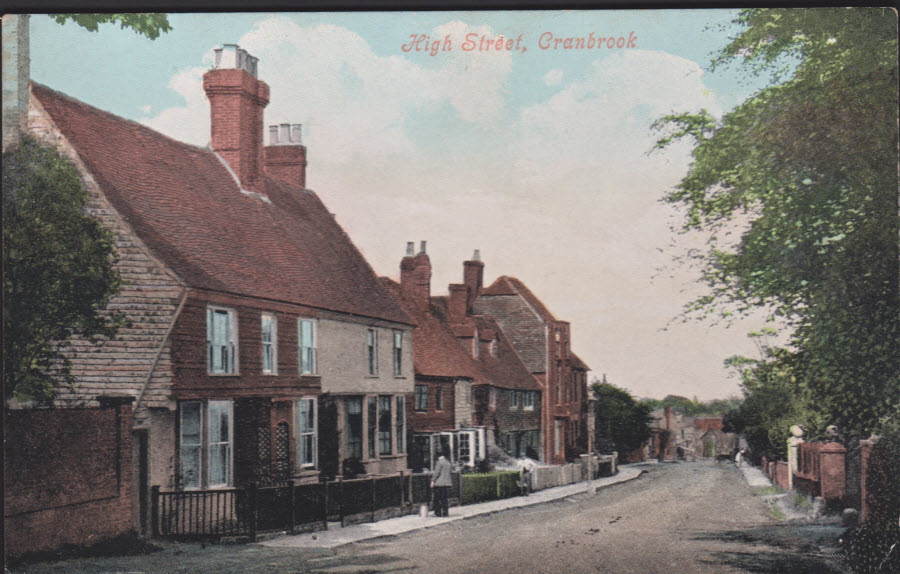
(441,484)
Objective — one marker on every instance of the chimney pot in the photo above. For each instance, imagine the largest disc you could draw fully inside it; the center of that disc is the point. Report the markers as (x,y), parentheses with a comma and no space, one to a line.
(477,255)
(284,133)
(410,248)
(422,247)
(273,135)
(296,134)
(233,56)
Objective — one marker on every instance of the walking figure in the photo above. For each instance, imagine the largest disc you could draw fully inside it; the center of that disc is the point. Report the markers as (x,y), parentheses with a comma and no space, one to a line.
(739,458)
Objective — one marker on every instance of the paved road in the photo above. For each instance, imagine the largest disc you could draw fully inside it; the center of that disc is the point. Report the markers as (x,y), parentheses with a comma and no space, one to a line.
(687,517)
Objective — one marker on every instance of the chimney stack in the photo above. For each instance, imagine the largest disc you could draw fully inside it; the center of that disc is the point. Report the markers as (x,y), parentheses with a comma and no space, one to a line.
(285,154)
(456,304)
(16,77)
(415,276)
(473,278)
(237,99)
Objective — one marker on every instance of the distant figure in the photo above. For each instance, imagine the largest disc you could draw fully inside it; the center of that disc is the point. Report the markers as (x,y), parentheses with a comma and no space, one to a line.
(441,484)
(525,482)
(739,458)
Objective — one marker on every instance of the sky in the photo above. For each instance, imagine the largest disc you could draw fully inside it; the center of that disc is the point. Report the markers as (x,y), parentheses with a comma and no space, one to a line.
(538,157)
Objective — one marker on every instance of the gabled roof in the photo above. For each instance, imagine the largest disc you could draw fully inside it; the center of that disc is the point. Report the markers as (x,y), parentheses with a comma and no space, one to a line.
(505,285)
(189,211)
(576,362)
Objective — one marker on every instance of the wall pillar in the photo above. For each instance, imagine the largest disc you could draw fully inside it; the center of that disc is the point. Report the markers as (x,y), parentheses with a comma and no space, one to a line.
(865,453)
(833,471)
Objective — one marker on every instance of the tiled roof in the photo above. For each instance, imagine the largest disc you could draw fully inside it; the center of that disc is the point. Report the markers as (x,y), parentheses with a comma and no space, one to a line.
(506,285)
(576,362)
(182,202)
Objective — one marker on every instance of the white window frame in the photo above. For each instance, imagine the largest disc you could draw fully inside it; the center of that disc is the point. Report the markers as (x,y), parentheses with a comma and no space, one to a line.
(233,347)
(416,398)
(492,398)
(400,423)
(439,398)
(206,445)
(513,399)
(272,342)
(528,400)
(313,346)
(300,432)
(398,353)
(372,351)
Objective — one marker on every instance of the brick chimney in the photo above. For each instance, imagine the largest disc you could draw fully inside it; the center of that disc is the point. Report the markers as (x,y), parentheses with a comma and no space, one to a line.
(473,278)
(415,276)
(456,304)
(237,99)
(285,155)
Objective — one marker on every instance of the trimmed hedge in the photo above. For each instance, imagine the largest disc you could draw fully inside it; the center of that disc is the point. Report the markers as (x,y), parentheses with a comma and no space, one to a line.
(481,487)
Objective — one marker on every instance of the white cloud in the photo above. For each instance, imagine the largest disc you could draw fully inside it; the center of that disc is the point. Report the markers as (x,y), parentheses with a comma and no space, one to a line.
(146,109)
(553,77)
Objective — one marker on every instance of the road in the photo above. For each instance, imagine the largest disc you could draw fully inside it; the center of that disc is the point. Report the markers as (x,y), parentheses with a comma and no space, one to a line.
(683,517)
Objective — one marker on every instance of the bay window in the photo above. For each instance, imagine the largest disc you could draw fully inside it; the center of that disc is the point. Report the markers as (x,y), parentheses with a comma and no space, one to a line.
(205,443)
(385,441)
(354,427)
(401,424)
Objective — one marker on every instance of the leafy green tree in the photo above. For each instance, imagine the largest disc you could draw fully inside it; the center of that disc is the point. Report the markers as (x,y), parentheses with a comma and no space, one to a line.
(694,407)
(810,161)
(58,269)
(150,25)
(623,423)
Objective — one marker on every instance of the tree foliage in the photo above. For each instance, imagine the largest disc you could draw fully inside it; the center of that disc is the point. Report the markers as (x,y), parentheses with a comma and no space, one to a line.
(58,269)
(810,161)
(694,407)
(150,25)
(623,423)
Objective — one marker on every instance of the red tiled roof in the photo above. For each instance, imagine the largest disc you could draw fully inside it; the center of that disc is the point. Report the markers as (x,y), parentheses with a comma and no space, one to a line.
(506,285)
(576,362)
(182,202)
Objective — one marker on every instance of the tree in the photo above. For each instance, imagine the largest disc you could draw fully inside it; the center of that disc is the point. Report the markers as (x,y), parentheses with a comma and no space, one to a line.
(811,162)
(58,269)
(623,424)
(148,24)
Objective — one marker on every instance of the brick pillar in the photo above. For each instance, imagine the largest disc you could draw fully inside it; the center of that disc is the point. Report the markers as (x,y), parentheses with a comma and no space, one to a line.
(865,453)
(833,471)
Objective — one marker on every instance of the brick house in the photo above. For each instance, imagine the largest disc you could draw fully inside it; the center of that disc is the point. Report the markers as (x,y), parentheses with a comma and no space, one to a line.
(259,345)
(472,390)
(543,342)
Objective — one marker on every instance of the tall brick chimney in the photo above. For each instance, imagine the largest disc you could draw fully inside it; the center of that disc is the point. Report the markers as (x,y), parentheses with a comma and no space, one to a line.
(415,276)
(473,278)
(237,99)
(285,155)
(456,304)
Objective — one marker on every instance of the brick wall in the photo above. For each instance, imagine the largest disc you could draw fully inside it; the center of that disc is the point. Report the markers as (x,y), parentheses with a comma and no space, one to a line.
(432,420)
(68,476)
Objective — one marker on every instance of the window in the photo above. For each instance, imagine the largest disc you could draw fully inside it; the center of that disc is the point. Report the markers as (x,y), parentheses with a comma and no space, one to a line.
(205,443)
(439,399)
(492,347)
(559,383)
(306,432)
(372,351)
(492,399)
(528,400)
(513,400)
(385,441)
(354,427)
(269,344)
(558,437)
(401,424)
(221,340)
(306,336)
(398,353)
(475,345)
(465,450)
(421,398)
(373,424)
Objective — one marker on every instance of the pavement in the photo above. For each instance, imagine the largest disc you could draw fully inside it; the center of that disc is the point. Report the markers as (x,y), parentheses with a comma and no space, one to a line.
(756,478)
(334,537)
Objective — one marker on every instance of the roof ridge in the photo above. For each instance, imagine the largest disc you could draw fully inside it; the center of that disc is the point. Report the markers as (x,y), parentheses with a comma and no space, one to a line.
(137,124)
